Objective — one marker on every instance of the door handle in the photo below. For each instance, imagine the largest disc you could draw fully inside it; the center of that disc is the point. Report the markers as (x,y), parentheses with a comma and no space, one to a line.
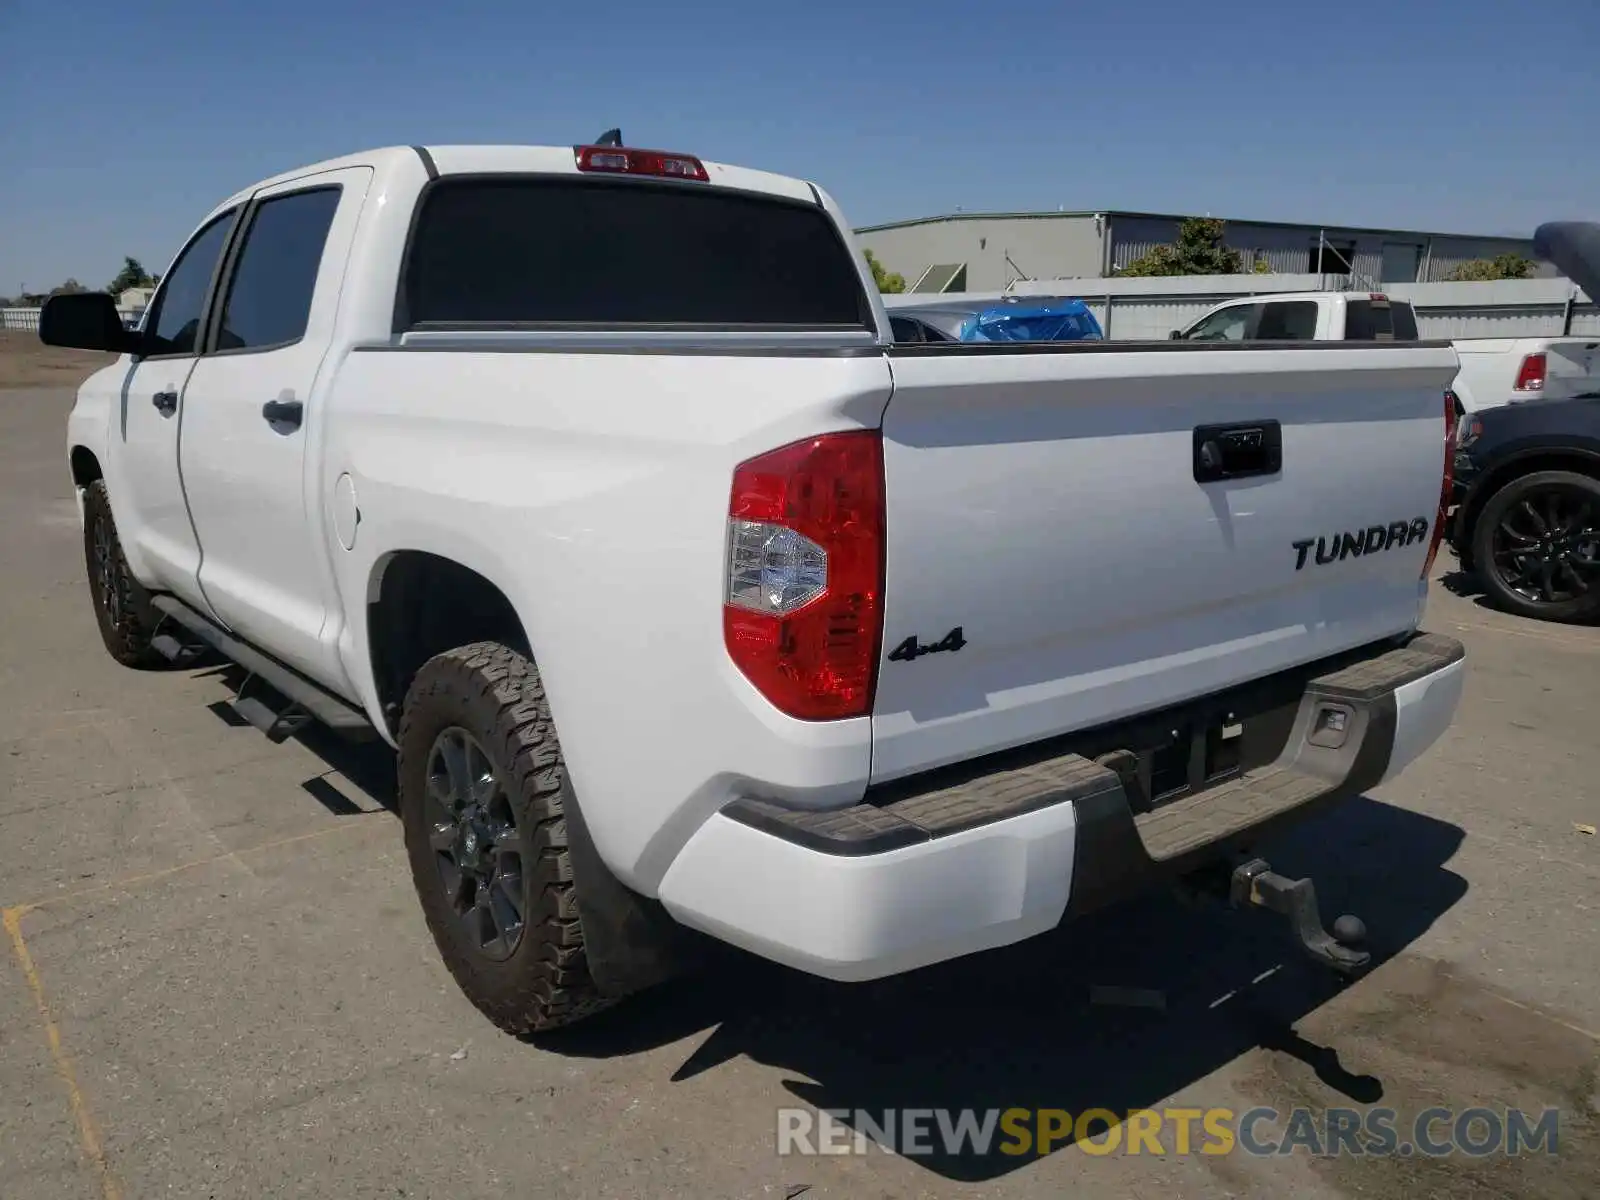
(1237,451)
(283,412)
(166,403)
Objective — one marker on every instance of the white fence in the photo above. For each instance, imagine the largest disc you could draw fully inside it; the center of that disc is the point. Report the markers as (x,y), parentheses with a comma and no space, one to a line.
(28,318)
(1151,307)
(19,318)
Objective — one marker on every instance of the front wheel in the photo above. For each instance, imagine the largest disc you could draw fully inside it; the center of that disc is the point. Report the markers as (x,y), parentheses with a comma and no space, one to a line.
(122,608)
(1537,546)
(482,794)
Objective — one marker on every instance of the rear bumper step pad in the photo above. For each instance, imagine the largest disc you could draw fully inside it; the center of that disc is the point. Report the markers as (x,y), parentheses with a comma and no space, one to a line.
(1127,847)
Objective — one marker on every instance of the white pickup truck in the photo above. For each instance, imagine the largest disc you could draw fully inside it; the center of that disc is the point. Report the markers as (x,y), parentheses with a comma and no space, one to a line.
(1305,317)
(1494,371)
(590,479)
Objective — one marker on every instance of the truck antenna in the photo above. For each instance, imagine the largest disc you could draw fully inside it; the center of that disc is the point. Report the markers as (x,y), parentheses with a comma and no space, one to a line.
(611,137)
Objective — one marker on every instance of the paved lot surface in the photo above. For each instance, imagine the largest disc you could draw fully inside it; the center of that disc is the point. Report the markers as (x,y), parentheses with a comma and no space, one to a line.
(216,981)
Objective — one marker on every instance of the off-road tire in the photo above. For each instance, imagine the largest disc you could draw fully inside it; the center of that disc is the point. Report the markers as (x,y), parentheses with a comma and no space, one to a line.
(1500,593)
(494,694)
(122,609)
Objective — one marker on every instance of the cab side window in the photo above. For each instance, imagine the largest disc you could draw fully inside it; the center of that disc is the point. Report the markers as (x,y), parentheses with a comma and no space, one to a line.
(1288,320)
(269,299)
(905,329)
(174,318)
(1226,325)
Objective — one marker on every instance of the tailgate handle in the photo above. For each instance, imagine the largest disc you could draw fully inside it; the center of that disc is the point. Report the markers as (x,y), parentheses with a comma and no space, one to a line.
(1237,451)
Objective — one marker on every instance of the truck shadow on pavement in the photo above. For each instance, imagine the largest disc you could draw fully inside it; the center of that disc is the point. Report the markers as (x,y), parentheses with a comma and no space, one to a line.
(1019,1027)
(1467,585)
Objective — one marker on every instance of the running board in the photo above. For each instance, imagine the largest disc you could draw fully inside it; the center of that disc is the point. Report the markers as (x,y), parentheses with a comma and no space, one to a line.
(279,724)
(305,701)
(176,650)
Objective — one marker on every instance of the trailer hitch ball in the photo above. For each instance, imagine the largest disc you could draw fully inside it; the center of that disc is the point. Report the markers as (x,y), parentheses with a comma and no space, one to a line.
(1255,883)
(1350,930)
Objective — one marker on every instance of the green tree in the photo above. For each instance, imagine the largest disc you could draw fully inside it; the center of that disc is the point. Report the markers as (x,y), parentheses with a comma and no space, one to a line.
(887,281)
(1198,251)
(1501,266)
(132,275)
(70,288)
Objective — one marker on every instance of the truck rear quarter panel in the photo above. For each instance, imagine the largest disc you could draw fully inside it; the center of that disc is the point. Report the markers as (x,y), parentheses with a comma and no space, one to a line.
(592,489)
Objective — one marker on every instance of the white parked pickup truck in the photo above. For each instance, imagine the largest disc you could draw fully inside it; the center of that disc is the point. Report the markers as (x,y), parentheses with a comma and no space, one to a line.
(1305,317)
(1494,371)
(590,479)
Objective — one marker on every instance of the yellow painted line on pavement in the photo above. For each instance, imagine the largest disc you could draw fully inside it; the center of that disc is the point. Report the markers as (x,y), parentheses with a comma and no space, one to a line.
(88,1134)
(11,917)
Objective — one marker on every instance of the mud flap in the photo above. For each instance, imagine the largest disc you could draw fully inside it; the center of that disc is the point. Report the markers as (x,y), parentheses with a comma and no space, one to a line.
(630,941)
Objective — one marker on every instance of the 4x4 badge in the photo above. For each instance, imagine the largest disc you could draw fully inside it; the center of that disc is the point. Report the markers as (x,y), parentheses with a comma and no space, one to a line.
(911,649)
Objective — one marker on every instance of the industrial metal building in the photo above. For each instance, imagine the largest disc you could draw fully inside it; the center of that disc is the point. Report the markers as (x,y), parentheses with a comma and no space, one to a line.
(987,252)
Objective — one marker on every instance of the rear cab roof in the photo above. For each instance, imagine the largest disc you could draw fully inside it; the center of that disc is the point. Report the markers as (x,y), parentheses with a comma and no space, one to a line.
(399,170)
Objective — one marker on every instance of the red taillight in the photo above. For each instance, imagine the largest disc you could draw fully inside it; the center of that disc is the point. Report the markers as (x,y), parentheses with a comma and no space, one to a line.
(803,607)
(625,160)
(1445,484)
(1530,376)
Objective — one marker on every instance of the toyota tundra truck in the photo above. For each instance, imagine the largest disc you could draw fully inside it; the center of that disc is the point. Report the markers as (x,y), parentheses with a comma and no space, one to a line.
(591,480)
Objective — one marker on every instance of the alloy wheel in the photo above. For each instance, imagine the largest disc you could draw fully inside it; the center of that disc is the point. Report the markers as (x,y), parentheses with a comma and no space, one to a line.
(105,570)
(477,844)
(1546,546)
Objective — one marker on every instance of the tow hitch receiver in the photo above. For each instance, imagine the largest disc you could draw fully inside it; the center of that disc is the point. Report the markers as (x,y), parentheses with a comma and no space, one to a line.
(1255,883)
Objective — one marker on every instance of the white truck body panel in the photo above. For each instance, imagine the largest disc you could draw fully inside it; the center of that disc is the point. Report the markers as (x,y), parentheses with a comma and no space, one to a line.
(588,509)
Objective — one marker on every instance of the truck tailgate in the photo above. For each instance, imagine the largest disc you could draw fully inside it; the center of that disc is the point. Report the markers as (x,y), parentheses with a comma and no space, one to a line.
(1053,563)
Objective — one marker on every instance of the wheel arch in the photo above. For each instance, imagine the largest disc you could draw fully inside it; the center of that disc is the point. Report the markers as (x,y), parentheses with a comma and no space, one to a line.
(420,603)
(85,466)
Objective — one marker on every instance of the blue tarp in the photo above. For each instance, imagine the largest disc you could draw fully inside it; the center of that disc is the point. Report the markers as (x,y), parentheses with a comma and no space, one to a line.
(1063,321)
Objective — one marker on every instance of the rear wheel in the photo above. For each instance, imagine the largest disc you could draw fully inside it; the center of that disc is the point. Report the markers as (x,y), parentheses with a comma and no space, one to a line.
(1537,546)
(122,607)
(482,795)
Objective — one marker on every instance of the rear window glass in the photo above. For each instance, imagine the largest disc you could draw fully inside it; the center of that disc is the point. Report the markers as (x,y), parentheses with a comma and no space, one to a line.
(1366,321)
(540,251)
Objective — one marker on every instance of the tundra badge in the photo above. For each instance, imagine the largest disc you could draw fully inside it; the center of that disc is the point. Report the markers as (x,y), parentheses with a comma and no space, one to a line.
(1357,542)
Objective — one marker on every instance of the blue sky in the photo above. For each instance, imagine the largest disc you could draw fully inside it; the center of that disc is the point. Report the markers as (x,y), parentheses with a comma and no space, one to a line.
(123,122)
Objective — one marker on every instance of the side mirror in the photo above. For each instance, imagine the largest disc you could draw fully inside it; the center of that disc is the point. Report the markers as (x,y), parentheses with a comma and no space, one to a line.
(86,321)
(1175,336)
